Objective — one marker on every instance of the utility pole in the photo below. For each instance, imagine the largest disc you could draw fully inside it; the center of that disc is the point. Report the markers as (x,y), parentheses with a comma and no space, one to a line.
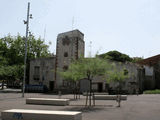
(29,16)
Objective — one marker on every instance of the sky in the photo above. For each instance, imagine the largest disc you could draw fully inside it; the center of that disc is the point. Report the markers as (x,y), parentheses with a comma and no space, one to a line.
(129,26)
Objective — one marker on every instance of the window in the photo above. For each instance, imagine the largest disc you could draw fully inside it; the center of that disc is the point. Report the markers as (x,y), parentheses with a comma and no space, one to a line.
(65,67)
(36,75)
(65,41)
(36,70)
(65,54)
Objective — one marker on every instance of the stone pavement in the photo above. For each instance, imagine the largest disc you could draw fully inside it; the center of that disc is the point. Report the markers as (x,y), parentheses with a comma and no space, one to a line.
(142,107)
(10,90)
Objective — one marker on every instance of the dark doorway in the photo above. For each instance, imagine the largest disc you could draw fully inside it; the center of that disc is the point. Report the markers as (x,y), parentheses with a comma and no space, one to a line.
(51,85)
(100,87)
(106,87)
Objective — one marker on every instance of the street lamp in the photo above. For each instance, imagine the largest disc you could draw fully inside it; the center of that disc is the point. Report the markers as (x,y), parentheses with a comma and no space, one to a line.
(29,16)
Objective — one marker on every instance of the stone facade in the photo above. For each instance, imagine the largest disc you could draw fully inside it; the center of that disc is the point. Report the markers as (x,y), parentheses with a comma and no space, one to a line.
(42,72)
(151,68)
(130,85)
(70,46)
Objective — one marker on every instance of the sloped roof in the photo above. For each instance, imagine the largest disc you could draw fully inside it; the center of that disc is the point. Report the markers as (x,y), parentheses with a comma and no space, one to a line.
(150,61)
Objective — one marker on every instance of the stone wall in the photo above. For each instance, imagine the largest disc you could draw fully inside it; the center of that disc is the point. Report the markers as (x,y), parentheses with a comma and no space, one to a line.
(70,46)
(42,71)
(99,83)
(157,75)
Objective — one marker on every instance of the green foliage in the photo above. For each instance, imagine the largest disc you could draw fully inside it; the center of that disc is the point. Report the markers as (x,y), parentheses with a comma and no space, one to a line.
(137,59)
(116,56)
(117,76)
(157,91)
(13,48)
(70,75)
(86,68)
(14,72)
(12,51)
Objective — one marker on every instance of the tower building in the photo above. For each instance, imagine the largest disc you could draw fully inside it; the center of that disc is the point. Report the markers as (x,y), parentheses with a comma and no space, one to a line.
(70,46)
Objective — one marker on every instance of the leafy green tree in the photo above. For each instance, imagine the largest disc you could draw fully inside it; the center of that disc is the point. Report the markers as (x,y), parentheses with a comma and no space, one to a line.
(73,78)
(137,59)
(115,56)
(87,68)
(117,76)
(12,49)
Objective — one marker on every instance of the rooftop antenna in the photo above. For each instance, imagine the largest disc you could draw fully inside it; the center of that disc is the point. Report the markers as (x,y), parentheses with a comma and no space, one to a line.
(90,47)
(44,37)
(72,36)
(72,23)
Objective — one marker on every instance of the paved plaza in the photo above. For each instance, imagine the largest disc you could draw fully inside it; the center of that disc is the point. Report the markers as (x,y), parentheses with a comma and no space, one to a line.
(142,107)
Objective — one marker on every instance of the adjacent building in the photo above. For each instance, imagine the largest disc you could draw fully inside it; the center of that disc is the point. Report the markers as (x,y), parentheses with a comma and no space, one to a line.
(151,67)
(70,46)
(44,71)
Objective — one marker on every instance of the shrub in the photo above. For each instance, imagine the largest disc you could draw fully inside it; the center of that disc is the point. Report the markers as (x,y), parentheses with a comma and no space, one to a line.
(157,91)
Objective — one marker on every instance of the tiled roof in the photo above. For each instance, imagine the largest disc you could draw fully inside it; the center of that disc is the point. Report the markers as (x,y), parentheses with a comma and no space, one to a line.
(150,61)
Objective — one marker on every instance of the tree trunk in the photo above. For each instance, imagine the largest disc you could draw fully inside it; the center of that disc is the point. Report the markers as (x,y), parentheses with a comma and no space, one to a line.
(93,98)
(2,84)
(119,95)
(119,100)
(90,93)
(86,98)
(74,91)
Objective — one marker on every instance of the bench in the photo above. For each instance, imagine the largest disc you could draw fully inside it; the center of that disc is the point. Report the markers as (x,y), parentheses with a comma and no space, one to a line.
(47,101)
(85,93)
(21,114)
(109,97)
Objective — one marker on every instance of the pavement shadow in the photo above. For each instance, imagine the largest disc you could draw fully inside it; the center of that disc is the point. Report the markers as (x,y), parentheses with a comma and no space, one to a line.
(83,108)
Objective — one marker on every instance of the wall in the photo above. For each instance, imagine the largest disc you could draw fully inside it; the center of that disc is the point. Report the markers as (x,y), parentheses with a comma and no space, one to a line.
(71,43)
(131,83)
(157,75)
(46,70)
(149,82)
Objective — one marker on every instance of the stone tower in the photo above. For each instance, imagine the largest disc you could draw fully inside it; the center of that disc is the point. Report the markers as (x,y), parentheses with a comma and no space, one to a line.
(70,45)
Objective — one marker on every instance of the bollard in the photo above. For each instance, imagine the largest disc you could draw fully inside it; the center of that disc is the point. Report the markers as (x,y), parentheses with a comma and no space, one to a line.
(59,94)
(119,100)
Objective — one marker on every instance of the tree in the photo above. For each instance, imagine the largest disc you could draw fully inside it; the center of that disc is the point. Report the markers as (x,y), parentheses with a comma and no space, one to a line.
(115,56)
(137,59)
(117,76)
(73,78)
(12,49)
(87,68)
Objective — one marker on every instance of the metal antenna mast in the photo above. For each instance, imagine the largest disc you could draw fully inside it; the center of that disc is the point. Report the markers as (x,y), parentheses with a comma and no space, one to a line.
(72,39)
(90,46)
(73,23)
(29,16)
(44,37)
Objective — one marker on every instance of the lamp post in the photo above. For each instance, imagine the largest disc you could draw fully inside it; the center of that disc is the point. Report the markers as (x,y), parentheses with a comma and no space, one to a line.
(29,16)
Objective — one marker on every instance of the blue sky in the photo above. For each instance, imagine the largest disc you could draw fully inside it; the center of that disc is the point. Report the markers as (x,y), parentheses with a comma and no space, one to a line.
(129,26)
